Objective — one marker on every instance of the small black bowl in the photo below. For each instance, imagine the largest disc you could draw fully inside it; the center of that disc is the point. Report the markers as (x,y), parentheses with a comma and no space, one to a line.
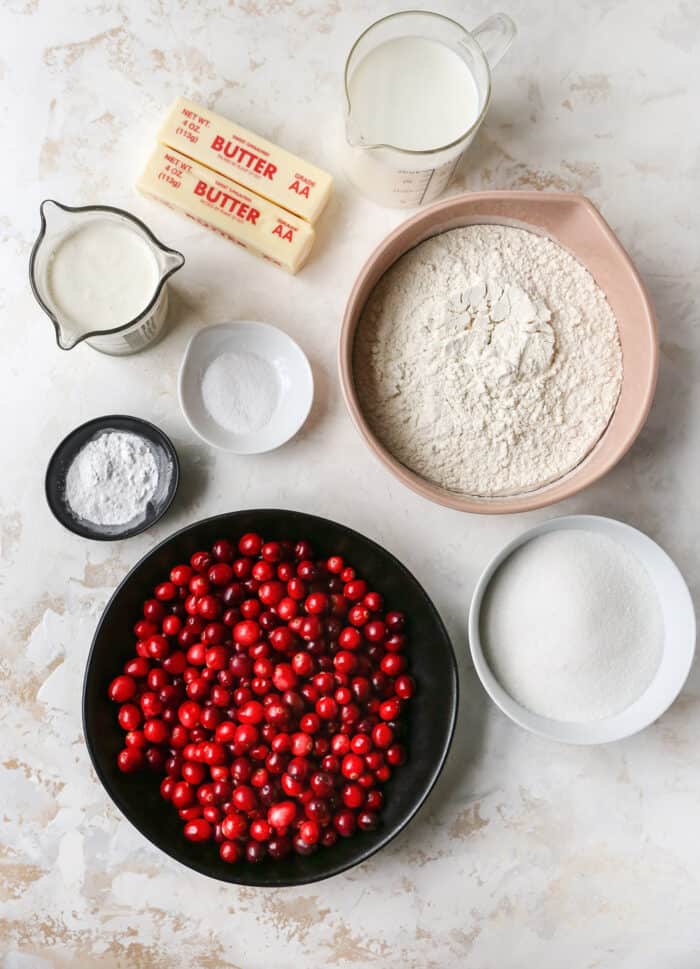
(163,451)
(431,717)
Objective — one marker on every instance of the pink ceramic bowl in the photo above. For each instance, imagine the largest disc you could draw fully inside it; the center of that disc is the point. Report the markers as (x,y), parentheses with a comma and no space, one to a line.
(574,223)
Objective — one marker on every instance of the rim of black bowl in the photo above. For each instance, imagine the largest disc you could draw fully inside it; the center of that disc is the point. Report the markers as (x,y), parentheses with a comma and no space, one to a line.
(363,854)
(108,422)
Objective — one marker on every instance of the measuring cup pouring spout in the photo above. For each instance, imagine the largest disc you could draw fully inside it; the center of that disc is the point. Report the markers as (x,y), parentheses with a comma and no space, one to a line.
(353,136)
(113,262)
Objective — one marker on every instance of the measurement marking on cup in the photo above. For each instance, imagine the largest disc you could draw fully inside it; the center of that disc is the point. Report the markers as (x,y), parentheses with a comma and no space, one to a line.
(430,178)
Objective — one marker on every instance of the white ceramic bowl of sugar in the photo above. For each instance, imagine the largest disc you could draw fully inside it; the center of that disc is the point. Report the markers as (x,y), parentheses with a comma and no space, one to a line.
(252,350)
(678,646)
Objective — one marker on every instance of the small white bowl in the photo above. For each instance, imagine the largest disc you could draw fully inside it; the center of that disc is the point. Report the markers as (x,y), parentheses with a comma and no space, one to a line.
(288,360)
(678,648)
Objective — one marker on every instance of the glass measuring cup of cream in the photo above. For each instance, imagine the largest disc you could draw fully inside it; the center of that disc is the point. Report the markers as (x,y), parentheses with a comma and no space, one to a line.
(100,275)
(417,86)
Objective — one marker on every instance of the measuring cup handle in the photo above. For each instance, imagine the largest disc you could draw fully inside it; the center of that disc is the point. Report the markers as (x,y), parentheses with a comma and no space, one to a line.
(495,36)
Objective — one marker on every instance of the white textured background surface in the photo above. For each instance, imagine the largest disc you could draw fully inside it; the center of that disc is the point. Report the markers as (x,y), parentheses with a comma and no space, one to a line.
(527,853)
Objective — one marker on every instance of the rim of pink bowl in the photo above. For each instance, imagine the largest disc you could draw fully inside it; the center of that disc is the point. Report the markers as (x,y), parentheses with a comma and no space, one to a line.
(640,368)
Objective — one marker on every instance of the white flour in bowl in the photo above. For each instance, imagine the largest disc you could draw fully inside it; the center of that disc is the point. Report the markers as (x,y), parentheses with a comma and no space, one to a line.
(488,361)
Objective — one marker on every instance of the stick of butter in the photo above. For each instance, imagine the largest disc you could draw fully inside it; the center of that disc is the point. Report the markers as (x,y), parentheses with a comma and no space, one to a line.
(248,159)
(219,204)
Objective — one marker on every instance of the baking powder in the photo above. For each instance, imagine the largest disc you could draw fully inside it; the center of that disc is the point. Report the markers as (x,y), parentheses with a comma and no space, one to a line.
(111,479)
(488,360)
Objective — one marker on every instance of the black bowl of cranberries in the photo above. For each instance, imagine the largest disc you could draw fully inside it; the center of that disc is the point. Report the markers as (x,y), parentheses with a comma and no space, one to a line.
(269,697)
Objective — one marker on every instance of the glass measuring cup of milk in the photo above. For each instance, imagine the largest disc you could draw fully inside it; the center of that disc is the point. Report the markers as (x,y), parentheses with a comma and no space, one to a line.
(100,275)
(417,86)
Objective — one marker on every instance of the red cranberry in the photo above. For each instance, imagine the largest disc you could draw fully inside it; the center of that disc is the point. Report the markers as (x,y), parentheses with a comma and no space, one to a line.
(318,809)
(280,816)
(404,686)
(352,766)
(250,544)
(345,822)
(350,638)
(395,621)
(353,796)
(246,632)
(198,830)
(390,709)
(230,852)
(255,852)
(129,716)
(279,846)
(181,574)
(367,821)
(122,688)
(130,759)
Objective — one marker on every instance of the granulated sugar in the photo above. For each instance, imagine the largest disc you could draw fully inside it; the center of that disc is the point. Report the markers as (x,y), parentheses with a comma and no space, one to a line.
(571,626)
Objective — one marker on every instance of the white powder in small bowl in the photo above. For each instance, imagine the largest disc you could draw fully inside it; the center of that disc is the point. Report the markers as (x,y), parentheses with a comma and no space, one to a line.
(571,626)
(240,391)
(111,479)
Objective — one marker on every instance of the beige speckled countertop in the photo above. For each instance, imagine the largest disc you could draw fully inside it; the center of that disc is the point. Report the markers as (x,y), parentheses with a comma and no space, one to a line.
(527,854)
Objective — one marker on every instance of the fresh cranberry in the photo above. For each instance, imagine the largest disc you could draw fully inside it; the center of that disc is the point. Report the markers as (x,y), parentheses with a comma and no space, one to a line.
(390,709)
(230,851)
(129,716)
(375,631)
(352,766)
(317,604)
(154,610)
(367,821)
(374,601)
(131,759)
(198,830)
(350,638)
(246,633)
(244,798)
(181,574)
(250,544)
(272,552)
(396,755)
(122,688)
(355,589)
(359,615)
(395,621)
(172,625)
(296,589)
(242,569)
(393,663)
(382,736)
(318,809)
(345,823)
(404,686)
(255,852)
(166,591)
(188,713)
(280,816)
(283,639)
